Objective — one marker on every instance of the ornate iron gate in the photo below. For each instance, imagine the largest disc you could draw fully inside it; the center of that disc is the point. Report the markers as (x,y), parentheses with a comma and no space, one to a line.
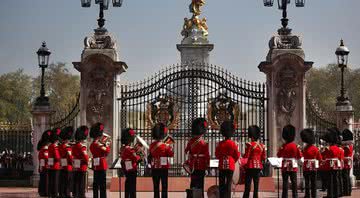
(180,93)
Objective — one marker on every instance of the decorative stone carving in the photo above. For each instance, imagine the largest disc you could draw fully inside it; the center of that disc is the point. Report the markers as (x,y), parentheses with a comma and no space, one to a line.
(285,40)
(101,39)
(163,110)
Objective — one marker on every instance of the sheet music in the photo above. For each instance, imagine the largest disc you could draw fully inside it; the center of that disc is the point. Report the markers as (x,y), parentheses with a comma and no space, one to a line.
(275,161)
(214,163)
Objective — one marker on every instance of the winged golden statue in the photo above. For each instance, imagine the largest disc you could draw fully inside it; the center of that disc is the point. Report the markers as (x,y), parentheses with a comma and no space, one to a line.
(195,6)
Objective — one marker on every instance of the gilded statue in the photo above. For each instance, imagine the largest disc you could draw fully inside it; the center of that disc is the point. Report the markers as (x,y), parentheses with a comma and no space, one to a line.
(195,6)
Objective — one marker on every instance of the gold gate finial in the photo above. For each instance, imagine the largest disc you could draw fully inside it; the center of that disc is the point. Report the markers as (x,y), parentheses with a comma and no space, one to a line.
(195,7)
(195,30)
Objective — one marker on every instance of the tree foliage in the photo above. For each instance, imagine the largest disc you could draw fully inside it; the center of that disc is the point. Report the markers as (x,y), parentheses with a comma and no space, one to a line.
(324,85)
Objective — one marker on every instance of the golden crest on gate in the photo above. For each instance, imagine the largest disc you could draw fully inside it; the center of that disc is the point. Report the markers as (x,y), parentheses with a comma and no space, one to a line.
(162,110)
(221,109)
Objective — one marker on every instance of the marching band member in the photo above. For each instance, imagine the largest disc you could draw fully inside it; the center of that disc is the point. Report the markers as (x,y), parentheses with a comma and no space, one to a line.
(80,161)
(290,152)
(347,144)
(198,151)
(256,154)
(159,154)
(54,163)
(332,162)
(65,151)
(42,147)
(99,151)
(312,156)
(341,158)
(227,152)
(322,168)
(129,161)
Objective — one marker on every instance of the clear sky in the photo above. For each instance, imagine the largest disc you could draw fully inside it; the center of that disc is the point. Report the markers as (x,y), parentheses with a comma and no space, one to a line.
(147,32)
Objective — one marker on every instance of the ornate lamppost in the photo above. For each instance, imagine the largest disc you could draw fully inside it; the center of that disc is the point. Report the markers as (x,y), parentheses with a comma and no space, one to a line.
(43,59)
(342,53)
(282,5)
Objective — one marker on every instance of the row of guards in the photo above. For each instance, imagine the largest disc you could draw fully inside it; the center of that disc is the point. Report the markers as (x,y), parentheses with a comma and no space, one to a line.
(333,161)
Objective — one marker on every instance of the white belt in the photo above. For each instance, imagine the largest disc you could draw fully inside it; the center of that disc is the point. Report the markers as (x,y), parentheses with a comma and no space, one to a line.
(289,159)
(348,158)
(333,159)
(311,160)
(198,155)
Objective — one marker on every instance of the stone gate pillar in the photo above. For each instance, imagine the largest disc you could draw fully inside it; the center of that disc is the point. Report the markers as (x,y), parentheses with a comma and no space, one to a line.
(100,69)
(285,69)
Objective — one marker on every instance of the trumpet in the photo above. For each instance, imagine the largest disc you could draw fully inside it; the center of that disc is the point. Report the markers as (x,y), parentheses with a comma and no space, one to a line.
(105,139)
(140,147)
(169,140)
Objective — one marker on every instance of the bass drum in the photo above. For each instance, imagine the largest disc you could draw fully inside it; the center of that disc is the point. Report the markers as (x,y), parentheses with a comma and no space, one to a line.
(239,172)
(236,175)
(213,192)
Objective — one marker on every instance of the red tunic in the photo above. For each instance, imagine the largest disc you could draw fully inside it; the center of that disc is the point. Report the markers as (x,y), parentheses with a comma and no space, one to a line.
(227,152)
(99,152)
(331,158)
(256,153)
(160,154)
(341,158)
(348,155)
(65,151)
(129,158)
(312,158)
(323,152)
(199,156)
(290,152)
(81,158)
(43,158)
(54,157)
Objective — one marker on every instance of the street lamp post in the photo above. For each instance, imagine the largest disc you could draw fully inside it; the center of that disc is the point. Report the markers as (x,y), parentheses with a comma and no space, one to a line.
(342,53)
(43,59)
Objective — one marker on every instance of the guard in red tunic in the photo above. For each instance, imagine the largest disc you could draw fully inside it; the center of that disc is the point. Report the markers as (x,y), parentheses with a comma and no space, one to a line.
(159,159)
(65,150)
(99,150)
(54,163)
(347,145)
(312,157)
(255,152)
(332,162)
(42,147)
(341,158)
(227,151)
(80,161)
(198,152)
(291,153)
(322,171)
(129,161)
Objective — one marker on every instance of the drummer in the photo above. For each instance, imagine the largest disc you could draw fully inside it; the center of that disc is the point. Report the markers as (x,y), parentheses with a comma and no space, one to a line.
(227,152)
(199,157)
(256,154)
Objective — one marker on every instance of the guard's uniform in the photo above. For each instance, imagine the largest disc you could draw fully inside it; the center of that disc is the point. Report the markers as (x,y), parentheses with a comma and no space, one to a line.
(99,152)
(312,158)
(80,165)
(255,152)
(54,169)
(228,154)
(291,153)
(65,151)
(43,170)
(322,170)
(332,165)
(340,172)
(199,158)
(160,154)
(129,161)
(348,163)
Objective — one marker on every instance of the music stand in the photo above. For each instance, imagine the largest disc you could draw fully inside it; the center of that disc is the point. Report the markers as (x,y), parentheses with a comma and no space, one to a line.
(116,165)
(276,163)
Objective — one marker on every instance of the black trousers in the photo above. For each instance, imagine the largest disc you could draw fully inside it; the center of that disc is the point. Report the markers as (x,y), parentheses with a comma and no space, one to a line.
(346,182)
(79,184)
(43,184)
(225,182)
(130,184)
(333,182)
(293,179)
(53,183)
(252,174)
(324,179)
(197,180)
(157,176)
(99,185)
(65,183)
(310,184)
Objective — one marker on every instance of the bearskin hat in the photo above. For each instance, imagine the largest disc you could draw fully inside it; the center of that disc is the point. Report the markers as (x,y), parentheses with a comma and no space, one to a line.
(333,135)
(158,131)
(288,133)
(96,130)
(254,132)
(67,133)
(308,136)
(227,129)
(81,133)
(127,136)
(199,126)
(54,135)
(347,135)
(45,139)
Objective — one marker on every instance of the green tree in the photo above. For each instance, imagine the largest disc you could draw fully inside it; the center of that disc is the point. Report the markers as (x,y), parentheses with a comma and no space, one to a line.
(15,97)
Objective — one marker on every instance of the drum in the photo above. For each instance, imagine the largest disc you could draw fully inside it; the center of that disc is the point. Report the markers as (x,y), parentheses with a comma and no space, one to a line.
(236,175)
(213,192)
(187,167)
(239,172)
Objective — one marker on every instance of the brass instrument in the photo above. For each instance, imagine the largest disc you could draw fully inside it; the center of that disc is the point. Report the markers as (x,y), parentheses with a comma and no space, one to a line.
(140,147)
(169,140)
(105,139)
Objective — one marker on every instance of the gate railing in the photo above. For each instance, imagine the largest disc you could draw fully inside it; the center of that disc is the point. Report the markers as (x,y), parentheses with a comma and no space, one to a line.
(69,119)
